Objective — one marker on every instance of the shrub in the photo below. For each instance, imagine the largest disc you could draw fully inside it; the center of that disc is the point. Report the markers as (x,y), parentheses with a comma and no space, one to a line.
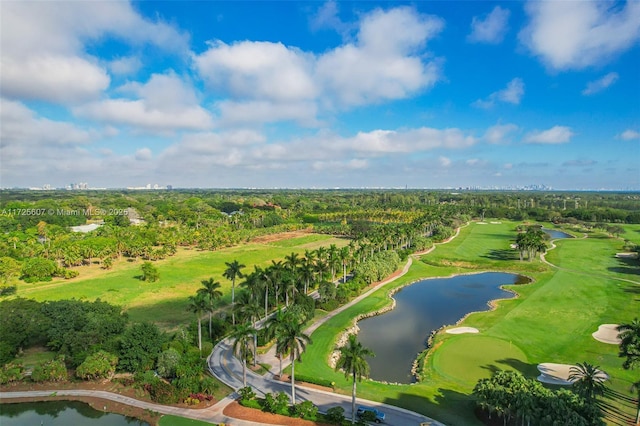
(8,290)
(269,403)
(246,393)
(11,373)
(161,392)
(335,415)
(306,410)
(98,365)
(50,371)
(314,380)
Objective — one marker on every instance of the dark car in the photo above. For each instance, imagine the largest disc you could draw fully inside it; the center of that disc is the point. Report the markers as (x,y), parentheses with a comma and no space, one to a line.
(376,415)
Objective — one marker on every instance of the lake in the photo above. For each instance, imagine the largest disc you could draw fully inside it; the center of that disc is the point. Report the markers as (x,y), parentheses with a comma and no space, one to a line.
(398,336)
(63,413)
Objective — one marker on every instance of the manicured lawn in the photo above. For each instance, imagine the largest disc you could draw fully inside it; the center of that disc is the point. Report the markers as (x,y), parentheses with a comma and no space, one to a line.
(165,302)
(551,321)
(169,420)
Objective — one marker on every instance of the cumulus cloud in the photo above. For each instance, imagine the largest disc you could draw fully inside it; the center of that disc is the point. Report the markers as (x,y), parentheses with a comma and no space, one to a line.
(599,85)
(43,46)
(629,135)
(261,70)
(234,113)
(125,66)
(385,62)
(500,133)
(554,135)
(490,28)
(511,94)
(569,35)
(53,78)
(164,103)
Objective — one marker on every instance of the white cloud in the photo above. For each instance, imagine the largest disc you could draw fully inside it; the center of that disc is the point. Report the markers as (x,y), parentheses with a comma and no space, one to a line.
(54,78)
(629,135)
(511,94)
(554,135)
(125,66)
(258,70)
(327,17)
(499,133)
(599,85)
(143,154)
(43,46)
(239,113)
(165,103)
(385,62)
(490,28)
(578,34)
(444,161)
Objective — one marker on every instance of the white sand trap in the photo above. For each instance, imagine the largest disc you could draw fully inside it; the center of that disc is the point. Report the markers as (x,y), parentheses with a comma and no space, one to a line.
(462,330)
(627,255)
(481,223)
(558,374)
(496,223)
(607,333)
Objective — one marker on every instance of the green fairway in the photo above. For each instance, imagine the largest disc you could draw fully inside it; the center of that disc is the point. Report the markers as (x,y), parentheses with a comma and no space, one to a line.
(165,301)
(551,321)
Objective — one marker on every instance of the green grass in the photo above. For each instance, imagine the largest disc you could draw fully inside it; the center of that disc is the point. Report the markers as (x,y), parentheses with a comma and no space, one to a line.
(551,321)
(169,420)
(165,302)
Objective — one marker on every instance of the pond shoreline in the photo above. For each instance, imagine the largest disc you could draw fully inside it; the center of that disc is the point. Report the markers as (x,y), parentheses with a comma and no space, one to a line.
(422,355)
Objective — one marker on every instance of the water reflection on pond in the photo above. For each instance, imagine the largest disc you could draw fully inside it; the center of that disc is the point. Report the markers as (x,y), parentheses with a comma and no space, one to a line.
(397,337)
(555,235)
(64,413)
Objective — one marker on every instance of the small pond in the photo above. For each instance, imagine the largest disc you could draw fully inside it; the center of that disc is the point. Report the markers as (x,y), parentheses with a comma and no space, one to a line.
(556,235)
(397,336)
(64,413)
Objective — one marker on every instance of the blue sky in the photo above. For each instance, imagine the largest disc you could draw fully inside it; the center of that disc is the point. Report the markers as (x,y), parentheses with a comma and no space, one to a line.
(320,94)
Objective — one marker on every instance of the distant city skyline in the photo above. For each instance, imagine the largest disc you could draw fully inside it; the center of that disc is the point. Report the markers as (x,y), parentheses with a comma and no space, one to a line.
(287,94)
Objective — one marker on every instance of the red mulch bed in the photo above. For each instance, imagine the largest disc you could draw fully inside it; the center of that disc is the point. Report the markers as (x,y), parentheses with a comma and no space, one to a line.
(237,411)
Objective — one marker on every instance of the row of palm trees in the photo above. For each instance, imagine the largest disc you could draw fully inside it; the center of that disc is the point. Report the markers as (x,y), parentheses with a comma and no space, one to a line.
(286,328)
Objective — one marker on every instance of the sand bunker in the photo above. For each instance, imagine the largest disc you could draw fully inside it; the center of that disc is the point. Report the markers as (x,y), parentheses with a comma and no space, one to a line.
(462,330)
(558,374)
(607,333)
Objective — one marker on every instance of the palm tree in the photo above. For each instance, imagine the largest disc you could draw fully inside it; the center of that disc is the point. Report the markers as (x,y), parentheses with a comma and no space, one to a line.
(352,361)
(275,325)
(242,336)
(588,381)
(630,343)
(292,339)
(211,289)
(233,271)
(251,311)
(198,305)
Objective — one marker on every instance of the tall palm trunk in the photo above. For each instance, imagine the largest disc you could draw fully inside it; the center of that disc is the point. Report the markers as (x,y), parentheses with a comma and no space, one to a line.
(353,399)
(199,333)
(293,375)
(210,325)
(233,301)
(244,371)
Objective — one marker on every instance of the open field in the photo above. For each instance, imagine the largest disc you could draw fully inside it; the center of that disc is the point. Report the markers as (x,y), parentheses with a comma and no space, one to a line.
(551,321)
(165,301)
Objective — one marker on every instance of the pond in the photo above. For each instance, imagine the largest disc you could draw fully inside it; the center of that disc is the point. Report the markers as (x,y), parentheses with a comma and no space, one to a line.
(64,413)
(398,336)
(556,235)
